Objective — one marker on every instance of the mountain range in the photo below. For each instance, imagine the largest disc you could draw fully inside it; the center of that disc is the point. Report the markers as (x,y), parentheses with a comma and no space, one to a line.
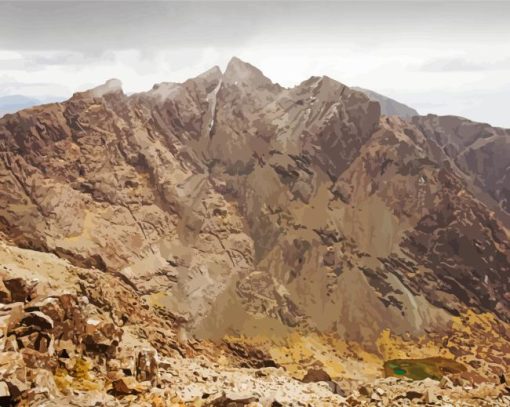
(256,215)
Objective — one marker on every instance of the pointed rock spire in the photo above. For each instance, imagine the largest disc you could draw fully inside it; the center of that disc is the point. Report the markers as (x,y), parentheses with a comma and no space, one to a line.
(240,72)
(110,86)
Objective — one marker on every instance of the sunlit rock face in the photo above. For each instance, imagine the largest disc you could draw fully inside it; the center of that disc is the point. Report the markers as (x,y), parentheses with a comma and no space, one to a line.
(242,207)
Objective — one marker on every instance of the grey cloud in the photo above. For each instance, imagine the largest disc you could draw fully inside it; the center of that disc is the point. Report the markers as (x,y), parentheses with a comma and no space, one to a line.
(100,26)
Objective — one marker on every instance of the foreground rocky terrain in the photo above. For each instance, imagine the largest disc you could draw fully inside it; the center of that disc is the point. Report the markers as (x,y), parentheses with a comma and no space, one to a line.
(81,337)
(224,238)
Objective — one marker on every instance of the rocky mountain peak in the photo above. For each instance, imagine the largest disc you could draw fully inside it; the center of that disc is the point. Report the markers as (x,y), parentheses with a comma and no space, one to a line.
(109,87)
(212,74)
(239,72)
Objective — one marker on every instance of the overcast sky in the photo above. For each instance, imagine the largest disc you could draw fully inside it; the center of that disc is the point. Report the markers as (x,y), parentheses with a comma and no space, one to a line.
(438,57)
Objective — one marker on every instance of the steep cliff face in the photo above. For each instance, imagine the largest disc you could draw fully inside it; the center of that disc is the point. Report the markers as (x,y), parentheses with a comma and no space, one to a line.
(478,151)
(243,207)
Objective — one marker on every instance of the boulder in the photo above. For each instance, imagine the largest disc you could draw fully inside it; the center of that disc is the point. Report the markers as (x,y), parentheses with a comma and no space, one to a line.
(38,360)
(19,288)
(413,394)
(365,390)
(65,349)
(316,375)
(147,366)
(11,316)
(38,320)
(4,391)
(446,383)
(27,340)
(50,306)
(11,344)
(375,396)
(44,383)
(430,396)
(336,388)
(128,385)
(5,294)
(352,400)
(104,339)
(92,325)
(14,373)
(231,400)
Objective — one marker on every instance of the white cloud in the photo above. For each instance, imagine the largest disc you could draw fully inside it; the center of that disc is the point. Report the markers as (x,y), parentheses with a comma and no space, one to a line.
(434,58)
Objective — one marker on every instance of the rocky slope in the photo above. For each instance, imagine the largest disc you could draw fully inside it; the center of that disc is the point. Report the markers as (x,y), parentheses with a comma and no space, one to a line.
(237,208)
(80,337)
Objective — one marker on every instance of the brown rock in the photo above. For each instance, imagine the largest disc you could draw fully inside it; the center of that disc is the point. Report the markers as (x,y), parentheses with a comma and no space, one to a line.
(316,375)
(353,400)
(44,383)
(13,372)
(104,338)
(50,306)
(375,396)
(114,375)
(147,366)
(336,388)
(430,396)
(38,360)
(4,390)
(446,383)
(413,394)
(231,400)
(11,344)
(365,390)
(5,294)
(38,320)
(20,290)
(128,385)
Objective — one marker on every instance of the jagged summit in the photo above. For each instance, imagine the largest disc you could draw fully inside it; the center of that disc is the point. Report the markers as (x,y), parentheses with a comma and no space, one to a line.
(109,87)
(240,72)
(211,74)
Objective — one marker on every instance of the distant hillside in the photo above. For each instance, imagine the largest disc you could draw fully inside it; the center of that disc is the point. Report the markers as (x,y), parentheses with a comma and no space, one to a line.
(389,107)
(14,103)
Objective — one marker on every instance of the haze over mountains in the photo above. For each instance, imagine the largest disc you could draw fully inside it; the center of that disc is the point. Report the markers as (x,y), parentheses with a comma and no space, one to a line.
(13,103)
(234,207)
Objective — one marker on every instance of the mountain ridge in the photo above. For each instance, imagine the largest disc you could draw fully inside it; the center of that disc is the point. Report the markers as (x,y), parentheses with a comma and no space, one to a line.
(245,209)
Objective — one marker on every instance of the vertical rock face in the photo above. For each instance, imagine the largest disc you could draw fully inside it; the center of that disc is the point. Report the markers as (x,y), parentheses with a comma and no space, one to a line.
(480,152)
(239,206)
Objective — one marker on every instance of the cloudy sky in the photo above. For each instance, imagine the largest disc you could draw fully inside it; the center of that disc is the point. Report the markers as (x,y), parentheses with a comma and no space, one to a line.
(439,57)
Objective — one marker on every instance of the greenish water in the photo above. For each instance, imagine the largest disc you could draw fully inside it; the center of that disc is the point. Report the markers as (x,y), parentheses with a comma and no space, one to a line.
(419,369)
(399,371)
